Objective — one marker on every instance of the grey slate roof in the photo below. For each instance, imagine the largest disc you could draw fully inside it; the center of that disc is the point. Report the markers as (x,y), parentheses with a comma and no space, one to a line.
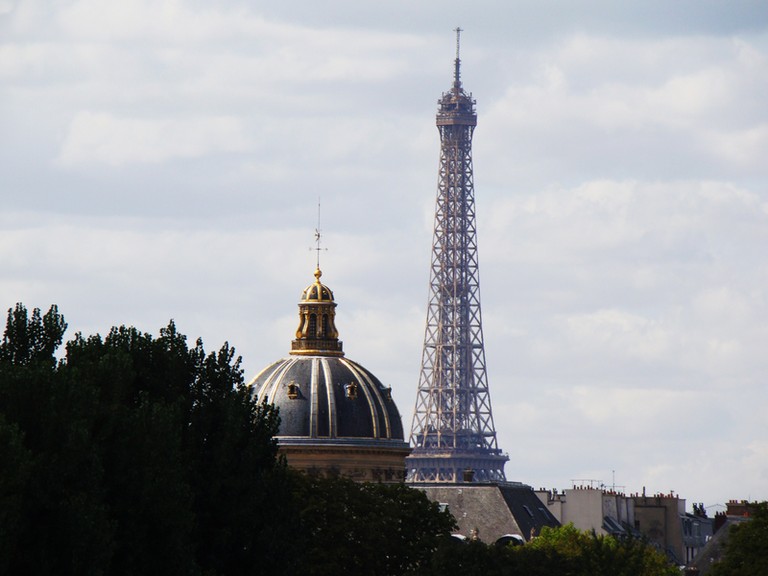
(494,509)
(713,550)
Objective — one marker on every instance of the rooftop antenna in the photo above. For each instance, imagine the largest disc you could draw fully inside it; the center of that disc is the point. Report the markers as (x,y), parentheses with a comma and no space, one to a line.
(318,235)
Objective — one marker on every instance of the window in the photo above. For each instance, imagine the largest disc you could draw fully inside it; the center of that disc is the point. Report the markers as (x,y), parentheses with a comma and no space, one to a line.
(528,510)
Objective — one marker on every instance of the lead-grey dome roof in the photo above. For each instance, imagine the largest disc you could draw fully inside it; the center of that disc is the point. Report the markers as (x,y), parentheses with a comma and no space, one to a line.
(328,397)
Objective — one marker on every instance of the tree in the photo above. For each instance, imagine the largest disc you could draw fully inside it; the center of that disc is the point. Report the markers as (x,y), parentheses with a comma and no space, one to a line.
(60,523)
(475,558)
(562,551)
(133,454)
(15,457)
(31,340)
(746,550)
(364,528)
(572,551)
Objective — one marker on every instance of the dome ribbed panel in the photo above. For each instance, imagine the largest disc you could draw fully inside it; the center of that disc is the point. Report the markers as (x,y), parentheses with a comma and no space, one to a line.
(326,415)
(374,403)
(273,387)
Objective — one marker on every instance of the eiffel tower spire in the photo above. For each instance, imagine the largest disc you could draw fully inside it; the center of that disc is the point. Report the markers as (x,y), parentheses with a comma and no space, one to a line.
(452,430)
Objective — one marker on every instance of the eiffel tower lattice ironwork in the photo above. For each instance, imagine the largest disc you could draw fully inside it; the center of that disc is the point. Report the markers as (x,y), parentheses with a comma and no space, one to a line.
(452,433)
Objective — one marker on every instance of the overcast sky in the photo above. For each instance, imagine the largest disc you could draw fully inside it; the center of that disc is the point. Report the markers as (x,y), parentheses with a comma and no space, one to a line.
(164,159)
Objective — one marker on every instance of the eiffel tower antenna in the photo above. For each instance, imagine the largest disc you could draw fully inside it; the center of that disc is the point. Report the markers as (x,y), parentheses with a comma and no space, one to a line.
(457,62)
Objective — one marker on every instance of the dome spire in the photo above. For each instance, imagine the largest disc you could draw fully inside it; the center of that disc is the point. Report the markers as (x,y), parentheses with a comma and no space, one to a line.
(318,236)
(317,334)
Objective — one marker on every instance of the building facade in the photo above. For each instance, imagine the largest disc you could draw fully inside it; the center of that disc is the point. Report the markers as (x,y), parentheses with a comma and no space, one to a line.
(663,520)
(589,508)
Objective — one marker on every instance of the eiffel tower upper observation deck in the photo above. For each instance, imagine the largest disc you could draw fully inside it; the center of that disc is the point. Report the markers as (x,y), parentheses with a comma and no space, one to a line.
(452,431)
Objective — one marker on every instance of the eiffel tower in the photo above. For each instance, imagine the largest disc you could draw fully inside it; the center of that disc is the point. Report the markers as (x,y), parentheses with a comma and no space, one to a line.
(452,433)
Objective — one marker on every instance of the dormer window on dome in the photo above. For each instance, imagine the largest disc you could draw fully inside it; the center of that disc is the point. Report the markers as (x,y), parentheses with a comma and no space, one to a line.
(317,334)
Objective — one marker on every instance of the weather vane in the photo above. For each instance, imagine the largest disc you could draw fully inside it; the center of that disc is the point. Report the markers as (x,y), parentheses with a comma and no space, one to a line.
(318,236)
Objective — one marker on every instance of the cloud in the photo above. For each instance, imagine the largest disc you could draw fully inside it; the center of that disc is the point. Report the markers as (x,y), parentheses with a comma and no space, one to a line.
(99,137)
(625,278)
(627,222)
(685,106)
(618,333)
(6,7)
(746,148)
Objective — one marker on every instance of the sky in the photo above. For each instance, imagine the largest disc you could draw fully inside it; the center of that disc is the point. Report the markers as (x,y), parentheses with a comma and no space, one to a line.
(165,160)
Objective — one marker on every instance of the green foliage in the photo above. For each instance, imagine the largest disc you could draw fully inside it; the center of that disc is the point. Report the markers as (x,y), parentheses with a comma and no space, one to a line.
(572,551)
(133,455)
(746,550)
(474,558)
(13,457)
(31,340)
(366,529)
(562,551)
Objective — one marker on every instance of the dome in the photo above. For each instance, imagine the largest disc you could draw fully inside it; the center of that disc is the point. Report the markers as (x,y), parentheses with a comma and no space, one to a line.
(335,415)
(329,397)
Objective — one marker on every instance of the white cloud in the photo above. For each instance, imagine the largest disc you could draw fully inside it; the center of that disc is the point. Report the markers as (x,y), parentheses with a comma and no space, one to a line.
(618,333)
(99,137)
(637,107)
(628,223)
(745,148)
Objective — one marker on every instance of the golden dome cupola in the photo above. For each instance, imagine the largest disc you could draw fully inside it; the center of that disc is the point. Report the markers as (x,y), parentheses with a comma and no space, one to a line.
(317,334)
